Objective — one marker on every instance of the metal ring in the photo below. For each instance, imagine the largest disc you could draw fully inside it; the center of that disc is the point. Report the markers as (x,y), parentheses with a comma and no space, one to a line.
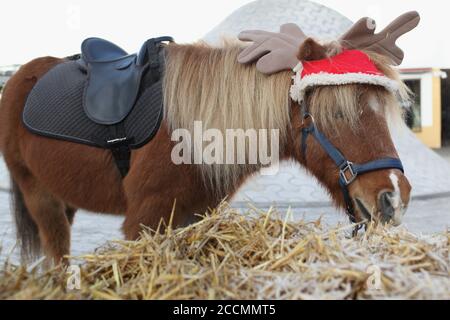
(306,116)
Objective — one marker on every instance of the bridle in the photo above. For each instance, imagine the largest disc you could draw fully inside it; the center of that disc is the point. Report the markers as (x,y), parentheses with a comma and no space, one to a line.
(348,171)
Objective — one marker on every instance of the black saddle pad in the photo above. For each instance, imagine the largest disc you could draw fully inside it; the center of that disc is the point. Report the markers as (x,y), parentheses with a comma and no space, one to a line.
(54,109)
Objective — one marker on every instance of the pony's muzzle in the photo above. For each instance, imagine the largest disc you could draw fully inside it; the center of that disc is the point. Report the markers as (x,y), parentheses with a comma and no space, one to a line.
(382,197)
(391,207)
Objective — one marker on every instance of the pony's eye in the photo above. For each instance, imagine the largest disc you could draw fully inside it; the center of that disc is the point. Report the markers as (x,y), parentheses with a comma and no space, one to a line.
(338,115)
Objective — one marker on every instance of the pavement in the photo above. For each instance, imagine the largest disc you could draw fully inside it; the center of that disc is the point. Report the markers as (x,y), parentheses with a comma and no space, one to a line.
(91,230)
(444,152)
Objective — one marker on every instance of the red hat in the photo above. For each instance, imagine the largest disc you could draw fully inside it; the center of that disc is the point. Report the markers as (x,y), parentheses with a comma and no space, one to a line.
(350,66)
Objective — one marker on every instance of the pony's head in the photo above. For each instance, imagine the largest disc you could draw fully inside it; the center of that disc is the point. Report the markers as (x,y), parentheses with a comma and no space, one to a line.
(344,100)
(340,133)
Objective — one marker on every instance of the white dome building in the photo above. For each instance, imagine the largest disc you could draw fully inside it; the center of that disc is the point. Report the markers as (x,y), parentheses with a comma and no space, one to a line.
(314,19)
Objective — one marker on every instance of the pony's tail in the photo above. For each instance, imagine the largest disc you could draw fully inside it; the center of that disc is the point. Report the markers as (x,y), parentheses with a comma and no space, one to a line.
(26,229)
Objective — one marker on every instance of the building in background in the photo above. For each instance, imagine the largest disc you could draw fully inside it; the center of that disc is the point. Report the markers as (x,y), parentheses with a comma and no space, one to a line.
(429,115)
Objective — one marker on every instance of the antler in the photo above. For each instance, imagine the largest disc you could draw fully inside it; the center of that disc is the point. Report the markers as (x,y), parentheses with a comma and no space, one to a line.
(362,36)
(278,51)
(274,51)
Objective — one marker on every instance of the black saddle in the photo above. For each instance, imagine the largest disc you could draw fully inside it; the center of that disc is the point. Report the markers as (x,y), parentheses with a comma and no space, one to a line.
(114,77)
(104,97)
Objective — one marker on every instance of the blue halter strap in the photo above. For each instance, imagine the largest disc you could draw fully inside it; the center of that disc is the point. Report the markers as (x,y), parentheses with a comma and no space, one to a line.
(348,171)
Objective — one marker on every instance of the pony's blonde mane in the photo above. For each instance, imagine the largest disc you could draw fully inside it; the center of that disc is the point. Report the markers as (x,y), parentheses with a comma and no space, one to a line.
(207,84)
(204,83)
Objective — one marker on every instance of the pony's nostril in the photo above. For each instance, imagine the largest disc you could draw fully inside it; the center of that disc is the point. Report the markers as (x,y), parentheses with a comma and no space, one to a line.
(386,205)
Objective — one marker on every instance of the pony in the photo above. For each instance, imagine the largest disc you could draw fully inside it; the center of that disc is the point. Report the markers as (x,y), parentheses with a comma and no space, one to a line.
(52,179)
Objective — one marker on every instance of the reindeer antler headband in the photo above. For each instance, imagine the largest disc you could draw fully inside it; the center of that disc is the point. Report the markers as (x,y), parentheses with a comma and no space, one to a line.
(276,52)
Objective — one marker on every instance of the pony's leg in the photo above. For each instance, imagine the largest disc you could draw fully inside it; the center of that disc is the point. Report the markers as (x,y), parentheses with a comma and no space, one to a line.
(49,215)
(159,209)
(154,184)
(148,212)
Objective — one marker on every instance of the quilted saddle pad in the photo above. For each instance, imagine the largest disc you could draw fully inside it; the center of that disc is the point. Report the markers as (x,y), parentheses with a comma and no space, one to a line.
(54,109)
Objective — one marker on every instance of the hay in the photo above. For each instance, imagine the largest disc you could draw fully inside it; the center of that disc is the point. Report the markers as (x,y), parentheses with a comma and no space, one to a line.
(228,255)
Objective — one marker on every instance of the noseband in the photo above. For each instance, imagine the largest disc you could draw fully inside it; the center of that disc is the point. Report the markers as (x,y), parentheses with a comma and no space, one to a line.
(348,171)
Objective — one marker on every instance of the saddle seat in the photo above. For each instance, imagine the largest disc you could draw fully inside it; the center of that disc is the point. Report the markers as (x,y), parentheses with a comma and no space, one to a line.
(114,77)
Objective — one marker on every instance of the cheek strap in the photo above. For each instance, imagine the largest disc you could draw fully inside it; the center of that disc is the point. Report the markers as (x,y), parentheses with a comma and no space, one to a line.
(348,171)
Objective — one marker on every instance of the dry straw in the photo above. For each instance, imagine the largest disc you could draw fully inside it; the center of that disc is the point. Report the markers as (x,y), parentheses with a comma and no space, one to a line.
(228,255)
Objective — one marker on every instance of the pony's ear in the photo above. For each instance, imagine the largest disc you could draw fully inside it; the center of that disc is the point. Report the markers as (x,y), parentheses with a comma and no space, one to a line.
(311,50)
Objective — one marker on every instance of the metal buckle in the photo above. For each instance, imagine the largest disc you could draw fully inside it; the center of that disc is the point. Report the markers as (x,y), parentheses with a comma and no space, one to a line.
(306,116)
(347,167)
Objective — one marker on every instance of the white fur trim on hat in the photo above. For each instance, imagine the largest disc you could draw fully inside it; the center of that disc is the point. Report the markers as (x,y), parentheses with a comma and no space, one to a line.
(300,85)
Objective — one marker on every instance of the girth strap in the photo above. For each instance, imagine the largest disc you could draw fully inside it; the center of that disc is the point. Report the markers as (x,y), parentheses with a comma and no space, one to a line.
(119,144)
(152,56)
(348,171)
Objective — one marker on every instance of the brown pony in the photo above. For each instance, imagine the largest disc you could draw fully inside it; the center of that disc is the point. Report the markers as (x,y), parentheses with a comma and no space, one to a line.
(51,179)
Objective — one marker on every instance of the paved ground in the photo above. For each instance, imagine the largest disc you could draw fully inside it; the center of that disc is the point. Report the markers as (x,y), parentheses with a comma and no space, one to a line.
(92,230)
(444,152)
